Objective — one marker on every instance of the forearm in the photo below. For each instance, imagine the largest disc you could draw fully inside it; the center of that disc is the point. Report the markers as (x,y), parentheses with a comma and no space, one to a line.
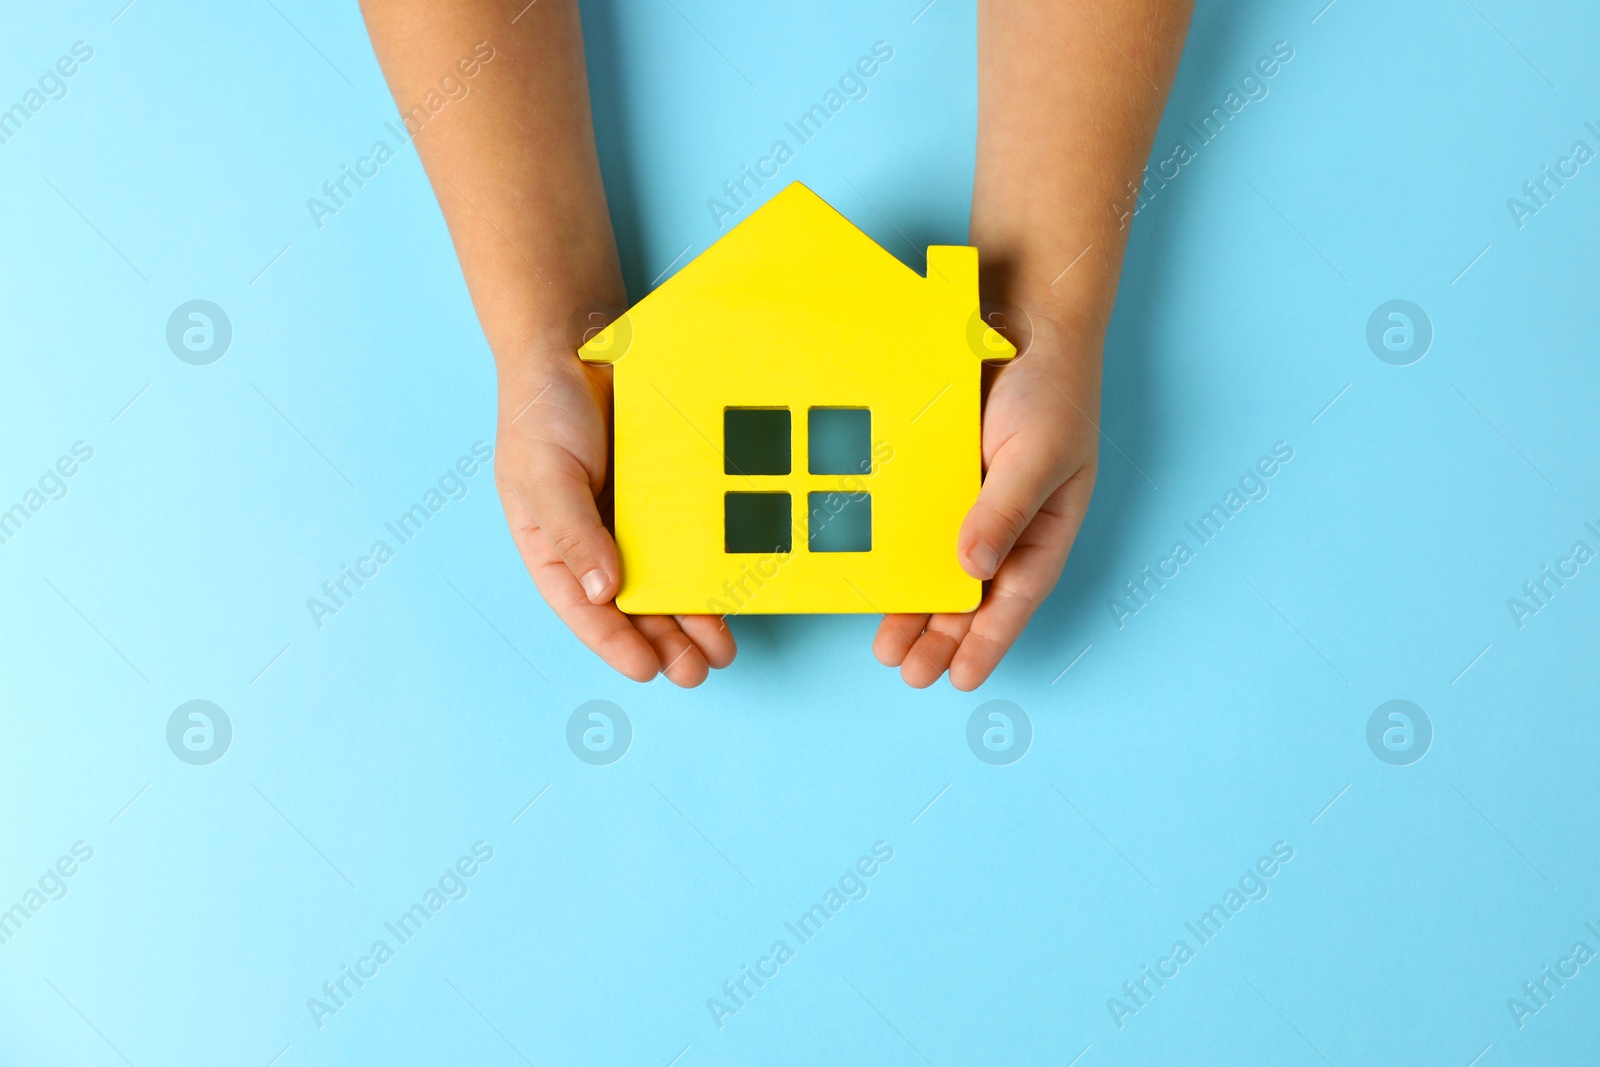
(513,163)
(1069,96)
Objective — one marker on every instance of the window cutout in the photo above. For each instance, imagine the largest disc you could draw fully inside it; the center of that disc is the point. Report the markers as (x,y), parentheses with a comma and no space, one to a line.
(757,522)
(839,441)
(755,441)
(839,522)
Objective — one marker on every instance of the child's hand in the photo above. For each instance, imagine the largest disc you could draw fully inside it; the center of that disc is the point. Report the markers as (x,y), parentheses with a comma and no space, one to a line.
(1069,96)
(518,179)
(1039,447)
(550,467)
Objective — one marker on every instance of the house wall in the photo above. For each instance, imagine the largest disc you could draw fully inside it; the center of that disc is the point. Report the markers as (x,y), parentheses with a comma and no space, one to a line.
(898,349)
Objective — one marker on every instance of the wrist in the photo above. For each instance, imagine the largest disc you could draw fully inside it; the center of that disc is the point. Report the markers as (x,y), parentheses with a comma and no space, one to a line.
(547,335)
(1069,280)
(1064,318)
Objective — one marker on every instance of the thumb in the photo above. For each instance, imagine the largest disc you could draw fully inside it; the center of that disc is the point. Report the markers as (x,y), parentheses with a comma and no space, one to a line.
(1018,481)
(559,494)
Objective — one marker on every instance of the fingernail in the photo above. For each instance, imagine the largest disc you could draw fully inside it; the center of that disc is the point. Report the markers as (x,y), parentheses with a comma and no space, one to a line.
(594,584)
(986,559)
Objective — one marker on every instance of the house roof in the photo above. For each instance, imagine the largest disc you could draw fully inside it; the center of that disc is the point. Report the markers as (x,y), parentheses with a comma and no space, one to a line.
(795,247)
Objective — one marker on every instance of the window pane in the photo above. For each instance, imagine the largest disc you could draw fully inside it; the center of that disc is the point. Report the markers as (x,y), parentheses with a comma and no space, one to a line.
(840,441)
(840,522)
(757,522)
(755,441)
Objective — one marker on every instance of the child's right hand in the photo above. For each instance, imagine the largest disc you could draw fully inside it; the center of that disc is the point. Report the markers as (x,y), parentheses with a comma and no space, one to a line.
(550,468)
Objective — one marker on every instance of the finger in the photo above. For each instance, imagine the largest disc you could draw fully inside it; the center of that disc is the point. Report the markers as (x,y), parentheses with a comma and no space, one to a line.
(931,655)
(681,660)
(1017,483)
(712,636)
(896,634)
(606,631)
(561,498)
(1027,576)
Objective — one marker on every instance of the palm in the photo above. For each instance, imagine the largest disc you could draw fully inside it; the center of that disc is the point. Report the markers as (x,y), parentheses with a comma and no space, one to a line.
(553,449)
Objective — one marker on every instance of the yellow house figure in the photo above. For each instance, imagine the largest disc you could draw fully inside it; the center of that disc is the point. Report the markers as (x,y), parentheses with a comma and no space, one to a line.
(797,418)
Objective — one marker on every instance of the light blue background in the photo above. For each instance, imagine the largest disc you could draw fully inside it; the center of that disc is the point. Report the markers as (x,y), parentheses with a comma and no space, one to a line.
(371,753)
